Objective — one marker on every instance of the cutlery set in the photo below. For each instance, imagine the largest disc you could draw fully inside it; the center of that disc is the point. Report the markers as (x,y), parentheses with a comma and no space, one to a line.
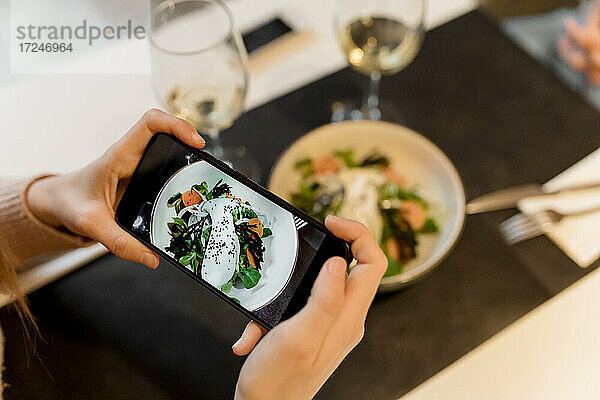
(523,226)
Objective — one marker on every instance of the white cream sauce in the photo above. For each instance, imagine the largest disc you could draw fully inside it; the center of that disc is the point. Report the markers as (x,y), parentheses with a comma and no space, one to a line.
(223,247)
(361,198)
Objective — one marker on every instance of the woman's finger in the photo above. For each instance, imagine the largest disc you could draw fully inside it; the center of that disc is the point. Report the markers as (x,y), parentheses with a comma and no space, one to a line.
(595,59)
(594,77)
(325,302)
(364,247)
(106,231)
(578,33)
(153,121)
(362,285)
(572,56)
(593,17)
(364,277)
(249,339)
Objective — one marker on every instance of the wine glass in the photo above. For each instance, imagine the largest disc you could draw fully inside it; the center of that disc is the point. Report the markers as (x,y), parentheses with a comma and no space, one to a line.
(200,70)
(379,37)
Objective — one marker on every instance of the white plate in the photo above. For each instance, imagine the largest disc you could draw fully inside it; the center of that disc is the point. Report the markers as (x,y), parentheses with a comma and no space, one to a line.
(281,247)
(421,162)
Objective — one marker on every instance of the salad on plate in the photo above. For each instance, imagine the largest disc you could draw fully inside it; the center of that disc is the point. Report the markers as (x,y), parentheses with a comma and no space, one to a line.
(218,236)
(371,192)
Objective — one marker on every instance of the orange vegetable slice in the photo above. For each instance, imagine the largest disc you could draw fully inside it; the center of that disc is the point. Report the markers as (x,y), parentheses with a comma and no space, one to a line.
(413,213)
(191,197)
(393,248)
(256,226)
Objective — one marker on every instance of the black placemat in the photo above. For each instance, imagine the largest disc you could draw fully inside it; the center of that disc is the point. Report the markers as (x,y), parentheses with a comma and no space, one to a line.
(502,119)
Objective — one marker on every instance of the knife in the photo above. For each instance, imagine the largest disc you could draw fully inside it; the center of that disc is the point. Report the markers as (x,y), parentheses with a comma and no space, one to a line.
(508,198)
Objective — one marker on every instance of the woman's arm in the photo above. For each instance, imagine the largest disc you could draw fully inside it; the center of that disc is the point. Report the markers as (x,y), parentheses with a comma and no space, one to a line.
(23,236)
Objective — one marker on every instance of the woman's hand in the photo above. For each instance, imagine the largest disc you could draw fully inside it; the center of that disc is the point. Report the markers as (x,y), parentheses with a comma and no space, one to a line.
(580,45)
(84,201)
(295,358)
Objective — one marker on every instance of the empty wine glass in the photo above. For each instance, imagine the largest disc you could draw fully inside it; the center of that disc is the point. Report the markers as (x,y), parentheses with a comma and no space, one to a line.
(200,72)
(379,37)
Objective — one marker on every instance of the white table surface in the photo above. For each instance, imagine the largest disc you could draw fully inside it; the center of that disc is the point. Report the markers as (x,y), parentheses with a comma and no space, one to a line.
(551,353)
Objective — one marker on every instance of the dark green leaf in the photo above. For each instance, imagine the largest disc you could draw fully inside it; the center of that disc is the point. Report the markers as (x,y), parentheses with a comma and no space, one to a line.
(206,234)
(244,263)
(429,227)
(375,160)
(180,222)
(395,226)
(303,163)
(250,277)
(201,188)
(248,213)
(237,282)
(226,288)
(267,232)
(173,199)
(195,264)
(305,166)
(347,157)
(236,300)
(394,267)
(185,260)
(179,206)
(219,190)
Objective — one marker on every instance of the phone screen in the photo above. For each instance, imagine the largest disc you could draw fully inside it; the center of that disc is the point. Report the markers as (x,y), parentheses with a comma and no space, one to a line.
(247,247)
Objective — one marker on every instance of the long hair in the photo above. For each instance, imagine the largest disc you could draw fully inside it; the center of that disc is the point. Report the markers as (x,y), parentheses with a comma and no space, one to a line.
(9,286)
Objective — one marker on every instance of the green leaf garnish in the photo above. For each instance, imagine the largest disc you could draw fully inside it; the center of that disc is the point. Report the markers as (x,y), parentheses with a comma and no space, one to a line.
(226,288)
(347,157)
(394,267)
(429,227)
(201,188)
(206,234)
(173,199)
(250,277)
(185,260)
(180,222)
(267,232)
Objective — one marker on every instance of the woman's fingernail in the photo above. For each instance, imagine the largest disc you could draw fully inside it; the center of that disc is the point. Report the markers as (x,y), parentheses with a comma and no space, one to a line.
(150,260)
(200,139)
(333,218)
(336,266)
(238,343)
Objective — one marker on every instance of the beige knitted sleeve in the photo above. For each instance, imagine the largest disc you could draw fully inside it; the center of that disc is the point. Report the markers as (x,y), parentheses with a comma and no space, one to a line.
(23,236)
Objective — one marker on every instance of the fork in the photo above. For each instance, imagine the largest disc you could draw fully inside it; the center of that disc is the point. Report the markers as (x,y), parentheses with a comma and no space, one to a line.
(521,227)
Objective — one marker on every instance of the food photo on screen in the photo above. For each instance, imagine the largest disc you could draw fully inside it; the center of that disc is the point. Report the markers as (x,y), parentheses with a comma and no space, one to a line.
(252,250)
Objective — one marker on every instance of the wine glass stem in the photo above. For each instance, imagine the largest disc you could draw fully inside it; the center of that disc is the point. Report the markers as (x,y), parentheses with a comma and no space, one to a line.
(217,148)
(371,106)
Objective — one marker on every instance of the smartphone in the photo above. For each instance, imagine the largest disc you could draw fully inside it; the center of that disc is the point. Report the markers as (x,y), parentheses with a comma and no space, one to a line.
(248,246)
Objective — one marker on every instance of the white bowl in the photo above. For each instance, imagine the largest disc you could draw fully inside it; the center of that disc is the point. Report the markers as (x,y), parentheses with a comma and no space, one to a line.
(420,161)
